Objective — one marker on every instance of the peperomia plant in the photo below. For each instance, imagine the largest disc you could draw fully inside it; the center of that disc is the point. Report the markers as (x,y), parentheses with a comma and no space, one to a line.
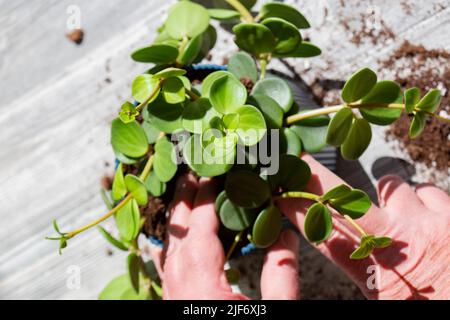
(250,134)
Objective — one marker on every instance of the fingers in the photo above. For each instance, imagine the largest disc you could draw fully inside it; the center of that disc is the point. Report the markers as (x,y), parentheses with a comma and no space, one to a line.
(279,278)
(433,198)
(180,209)
(156,253)
(204,218)
(396,196)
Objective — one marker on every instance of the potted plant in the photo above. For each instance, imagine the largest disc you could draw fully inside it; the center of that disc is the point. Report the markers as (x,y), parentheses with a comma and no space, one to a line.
(219,127)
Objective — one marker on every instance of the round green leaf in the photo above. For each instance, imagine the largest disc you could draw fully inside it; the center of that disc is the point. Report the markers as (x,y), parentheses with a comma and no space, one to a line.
(115,288)
(119,190)
(128,138)
(242,66)
(154,186)
(116,243)
(197,115)
(417,124)
(123,158)
(164,116)
(209,40)
(220,200)
(289,142)
(128,220)
(254,38)
(192,50)
(169,73)
(173,90)
(133,270)
(286,34)
(383,92)
(304,50)
(359,85)
(251,126)
(277,89)
(202,162)
(267,227)
(143,87)
(381,242)
(157,53)
(246,189)
(186,19)
(270,109)
(339,127)
(293,174)
(137,188)
(131,294)
(164,162)
(362,252)
(318,223)
(234,217)
(357,141)
(151,131)
(128,112)
(313,137)
(411,98)
(355,204)
(227,94)
(223,14)
(336,193)
(430,102)
(286,12)
(210,79)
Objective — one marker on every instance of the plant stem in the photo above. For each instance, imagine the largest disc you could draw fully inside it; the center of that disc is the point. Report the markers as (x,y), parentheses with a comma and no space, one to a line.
(152,95)
(181,49)
(263,62)
(233,246)
(245,14)
(356,226)
(438,117)
(304,195)
(192,95)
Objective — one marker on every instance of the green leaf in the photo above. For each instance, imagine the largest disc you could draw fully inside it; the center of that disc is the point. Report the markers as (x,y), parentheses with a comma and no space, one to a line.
(210,79)
(186,19)
(115,288)
(286,34)
(270,109)
(227,94)
(173,90)
(277,89)
(154,186)
(233,275)
(318,223)
(133,270)
(202,162)
(254,38)
(157,53)
(242,66)
(209,38)
(267,227)
(116,243)
(381,242)
(123,158)
(357,141)
(289,142)
(313,137)
(411,98)
(119,190)
(128,112)
(220,200)
(231,121)
(144,86)
(337,192)
(293,174)
(364,250)
(431,101)
(192,50)
(355,204)
(251,126)
(130,294)
(418,123)
(359,85)
(223,14)
(106,199)
(151,131)
(339,127)
(166,117)
(384,92)
(197,115)
(304,50)
(234,217)
(170,73)
(129,138)
(137,189)
(286,12)
(164,162)
(246,189)
(128,220)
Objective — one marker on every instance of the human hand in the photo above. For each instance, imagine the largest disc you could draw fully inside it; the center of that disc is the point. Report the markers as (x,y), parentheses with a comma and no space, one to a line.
(192,262)
(416,265)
